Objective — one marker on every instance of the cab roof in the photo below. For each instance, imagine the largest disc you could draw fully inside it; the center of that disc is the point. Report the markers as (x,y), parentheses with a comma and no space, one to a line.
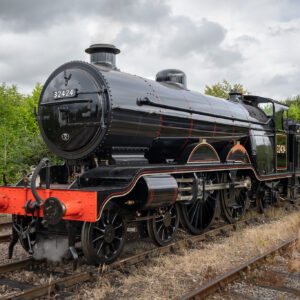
(259,99)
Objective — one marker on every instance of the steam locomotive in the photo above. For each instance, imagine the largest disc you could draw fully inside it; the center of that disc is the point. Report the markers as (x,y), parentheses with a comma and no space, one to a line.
(146,152)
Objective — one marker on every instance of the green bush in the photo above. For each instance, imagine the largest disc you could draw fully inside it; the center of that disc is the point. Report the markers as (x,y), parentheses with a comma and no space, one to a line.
(21,146)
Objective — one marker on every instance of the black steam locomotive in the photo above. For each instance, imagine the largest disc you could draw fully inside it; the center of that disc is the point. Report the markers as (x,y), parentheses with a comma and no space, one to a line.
(147,152)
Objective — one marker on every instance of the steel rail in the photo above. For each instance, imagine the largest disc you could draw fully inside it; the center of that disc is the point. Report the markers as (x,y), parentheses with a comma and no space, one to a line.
(5,224)
(171,247)
(49,288)
(217,283)
(60,284)
(16,265)
(5,238)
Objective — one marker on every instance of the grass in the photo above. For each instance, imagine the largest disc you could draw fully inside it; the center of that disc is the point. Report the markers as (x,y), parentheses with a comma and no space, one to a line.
(171,276)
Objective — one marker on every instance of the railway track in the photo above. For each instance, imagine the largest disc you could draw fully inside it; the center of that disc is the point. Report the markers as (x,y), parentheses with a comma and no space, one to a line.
(5,237)
(220,282)
(58,286)
(3,225)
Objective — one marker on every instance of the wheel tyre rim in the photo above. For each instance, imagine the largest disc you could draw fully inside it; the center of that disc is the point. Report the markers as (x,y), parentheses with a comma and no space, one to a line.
(103,241)
(108,235)
(164,228)
(199,215)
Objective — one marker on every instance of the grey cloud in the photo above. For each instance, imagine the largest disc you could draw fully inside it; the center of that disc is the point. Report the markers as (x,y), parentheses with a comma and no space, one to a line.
(224,58)
(247,39)
(133,11)
(280,30)
(128,37)
(278,80)
(203,39)
(20,15)
(283,86)
(27,59)
(39,35)
(188,37)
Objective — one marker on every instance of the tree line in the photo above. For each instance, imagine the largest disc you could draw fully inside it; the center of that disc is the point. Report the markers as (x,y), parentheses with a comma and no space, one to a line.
(22,147)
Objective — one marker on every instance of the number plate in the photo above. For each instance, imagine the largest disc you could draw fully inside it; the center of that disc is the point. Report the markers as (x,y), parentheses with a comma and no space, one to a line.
(68,93)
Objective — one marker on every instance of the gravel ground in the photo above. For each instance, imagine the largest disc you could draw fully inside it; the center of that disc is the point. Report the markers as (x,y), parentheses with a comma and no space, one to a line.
(171,276)
(280,270)
(167,276)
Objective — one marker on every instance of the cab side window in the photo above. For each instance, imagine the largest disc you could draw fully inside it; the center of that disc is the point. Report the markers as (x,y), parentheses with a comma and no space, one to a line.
(279,116)
(267,108)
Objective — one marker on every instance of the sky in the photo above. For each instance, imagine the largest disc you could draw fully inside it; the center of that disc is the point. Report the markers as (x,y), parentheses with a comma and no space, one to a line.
(255,43)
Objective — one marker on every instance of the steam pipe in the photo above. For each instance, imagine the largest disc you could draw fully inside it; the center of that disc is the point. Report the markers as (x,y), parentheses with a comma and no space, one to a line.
(45,162)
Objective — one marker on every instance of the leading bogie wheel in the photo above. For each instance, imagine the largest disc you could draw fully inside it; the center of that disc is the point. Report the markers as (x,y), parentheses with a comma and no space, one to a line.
(163,226)
(103,241)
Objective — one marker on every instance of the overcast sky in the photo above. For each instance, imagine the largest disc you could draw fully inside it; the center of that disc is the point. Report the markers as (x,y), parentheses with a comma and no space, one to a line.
(256,43)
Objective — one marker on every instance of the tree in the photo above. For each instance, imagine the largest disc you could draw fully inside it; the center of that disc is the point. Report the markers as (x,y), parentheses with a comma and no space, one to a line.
(294,110)
(222,89)
(293,100)
(20,144)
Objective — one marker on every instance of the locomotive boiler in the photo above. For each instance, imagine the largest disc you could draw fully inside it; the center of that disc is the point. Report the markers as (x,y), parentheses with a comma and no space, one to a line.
(146,152)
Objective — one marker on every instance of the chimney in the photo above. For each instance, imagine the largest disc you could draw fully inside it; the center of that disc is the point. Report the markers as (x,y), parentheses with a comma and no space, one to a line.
(103,54)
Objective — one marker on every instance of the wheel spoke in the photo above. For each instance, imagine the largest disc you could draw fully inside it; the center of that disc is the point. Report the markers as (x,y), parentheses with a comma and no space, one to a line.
(99,229)
(107,217)
(98,238)
(197,215)
(159,229)
(119,226)
(112,247)
(100,247)
(101,220)
(159,220)
(208,214)
(191,208)
(107,250)
(162,230)
(210,208)
(114,217)
(168,232)
(201,216)
(105,243)
(194,212)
